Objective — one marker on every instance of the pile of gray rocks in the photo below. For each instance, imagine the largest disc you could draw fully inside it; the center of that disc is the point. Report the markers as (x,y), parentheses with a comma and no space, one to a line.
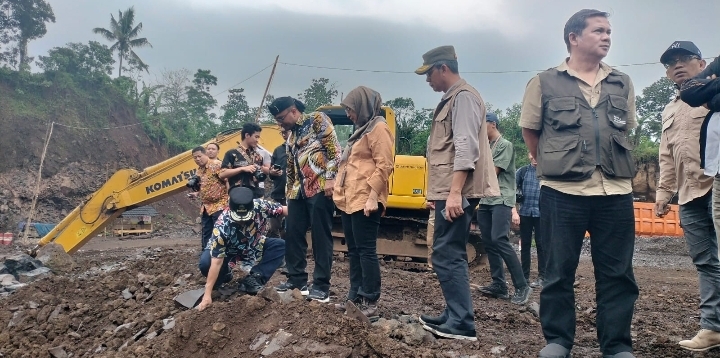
(18,270)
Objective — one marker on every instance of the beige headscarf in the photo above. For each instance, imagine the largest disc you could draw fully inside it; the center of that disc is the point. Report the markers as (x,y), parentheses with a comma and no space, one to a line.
(366,103)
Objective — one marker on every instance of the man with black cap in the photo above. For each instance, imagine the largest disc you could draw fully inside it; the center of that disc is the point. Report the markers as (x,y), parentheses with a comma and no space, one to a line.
(494,217)
(574,120)
(312,164)
(681,172)
(461,172)
(239,238)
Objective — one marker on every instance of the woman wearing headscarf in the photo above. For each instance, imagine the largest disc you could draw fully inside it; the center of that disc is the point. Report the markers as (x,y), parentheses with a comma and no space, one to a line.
(361,193)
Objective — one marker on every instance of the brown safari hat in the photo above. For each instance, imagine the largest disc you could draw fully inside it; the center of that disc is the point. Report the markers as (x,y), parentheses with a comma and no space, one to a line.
(442,53)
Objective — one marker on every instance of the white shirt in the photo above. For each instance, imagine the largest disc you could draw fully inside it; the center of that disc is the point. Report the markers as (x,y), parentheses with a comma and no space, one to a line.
(712,146)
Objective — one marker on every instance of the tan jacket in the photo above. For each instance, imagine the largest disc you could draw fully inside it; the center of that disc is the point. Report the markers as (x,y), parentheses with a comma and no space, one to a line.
(680,154)
(368,166)
(481,179)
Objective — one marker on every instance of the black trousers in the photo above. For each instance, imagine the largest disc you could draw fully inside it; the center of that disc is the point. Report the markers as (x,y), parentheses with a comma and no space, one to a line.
(208,223)
(450,263)
(361,236)
(314,213)
(494,222)
(610,220)
(528,225)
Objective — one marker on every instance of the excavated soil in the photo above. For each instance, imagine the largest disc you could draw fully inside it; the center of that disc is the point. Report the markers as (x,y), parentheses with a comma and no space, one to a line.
(118,302)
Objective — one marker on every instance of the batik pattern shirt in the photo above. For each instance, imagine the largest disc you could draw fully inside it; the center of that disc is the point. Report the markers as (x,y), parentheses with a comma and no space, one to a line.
(313,156)
(242,157)
(213,193)
(243,242)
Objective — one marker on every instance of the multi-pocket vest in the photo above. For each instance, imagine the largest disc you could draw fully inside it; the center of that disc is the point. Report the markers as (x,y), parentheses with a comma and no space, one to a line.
(576,138)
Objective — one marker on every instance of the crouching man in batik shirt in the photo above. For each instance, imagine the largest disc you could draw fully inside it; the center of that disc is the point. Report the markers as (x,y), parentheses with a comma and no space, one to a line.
(239,238)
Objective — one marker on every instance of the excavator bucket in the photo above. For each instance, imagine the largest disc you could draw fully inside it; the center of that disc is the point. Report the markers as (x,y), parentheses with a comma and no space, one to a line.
(190,299)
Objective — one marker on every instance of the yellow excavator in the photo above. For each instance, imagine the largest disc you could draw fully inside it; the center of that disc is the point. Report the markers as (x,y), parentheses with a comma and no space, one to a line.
(402,230)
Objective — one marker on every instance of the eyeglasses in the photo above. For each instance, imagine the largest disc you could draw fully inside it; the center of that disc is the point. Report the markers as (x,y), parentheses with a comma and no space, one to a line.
(282,119)
(684,59)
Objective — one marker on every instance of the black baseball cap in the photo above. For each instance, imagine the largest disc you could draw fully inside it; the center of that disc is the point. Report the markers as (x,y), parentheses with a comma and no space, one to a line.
(241,204)
(680,46)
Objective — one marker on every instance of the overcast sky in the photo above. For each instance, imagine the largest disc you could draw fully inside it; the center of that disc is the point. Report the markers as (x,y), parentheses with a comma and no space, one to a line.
(236,38)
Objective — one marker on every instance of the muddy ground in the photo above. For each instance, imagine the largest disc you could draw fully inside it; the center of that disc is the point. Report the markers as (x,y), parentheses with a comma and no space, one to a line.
(118,302)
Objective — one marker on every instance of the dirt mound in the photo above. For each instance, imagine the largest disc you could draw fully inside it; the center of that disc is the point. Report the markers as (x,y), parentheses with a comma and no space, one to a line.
(119,303)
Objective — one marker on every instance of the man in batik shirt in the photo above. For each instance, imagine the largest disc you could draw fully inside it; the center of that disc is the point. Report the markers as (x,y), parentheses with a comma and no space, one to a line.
(313,156)
(213,192)
(239,238)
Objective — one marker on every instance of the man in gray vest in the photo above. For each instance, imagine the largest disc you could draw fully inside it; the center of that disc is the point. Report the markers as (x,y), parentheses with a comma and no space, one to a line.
(574,121)
(460,173)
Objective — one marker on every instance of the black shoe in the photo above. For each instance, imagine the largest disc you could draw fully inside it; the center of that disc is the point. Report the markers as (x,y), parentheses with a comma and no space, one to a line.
(252,283)
(287,286)
(447,332)
(554,350)
(522,295)
(494,290)
(318,295)
(537,283)
(436,320)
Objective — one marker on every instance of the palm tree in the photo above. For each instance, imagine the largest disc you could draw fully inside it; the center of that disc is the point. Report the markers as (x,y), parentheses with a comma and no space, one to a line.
(124,35)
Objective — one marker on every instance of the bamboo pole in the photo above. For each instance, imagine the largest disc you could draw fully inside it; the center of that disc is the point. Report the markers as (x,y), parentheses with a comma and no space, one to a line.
(37,185)
(262,101)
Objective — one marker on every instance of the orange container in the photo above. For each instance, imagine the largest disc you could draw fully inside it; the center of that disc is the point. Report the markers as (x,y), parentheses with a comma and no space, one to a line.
(647,224)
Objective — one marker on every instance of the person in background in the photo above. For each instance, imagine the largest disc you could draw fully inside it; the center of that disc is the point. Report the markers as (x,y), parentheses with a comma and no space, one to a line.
(313,156)
(212,150)
(494,217)
(244,165)
(681,173)
(529,186)
(212,193)
(361,194)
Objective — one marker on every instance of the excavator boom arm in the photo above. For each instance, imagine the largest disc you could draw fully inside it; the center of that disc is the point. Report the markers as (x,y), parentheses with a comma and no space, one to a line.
(127,189)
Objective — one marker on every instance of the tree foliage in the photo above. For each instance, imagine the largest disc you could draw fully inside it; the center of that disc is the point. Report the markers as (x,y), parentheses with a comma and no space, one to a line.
(124,33)
(320,93)
(22,21)
(93,60)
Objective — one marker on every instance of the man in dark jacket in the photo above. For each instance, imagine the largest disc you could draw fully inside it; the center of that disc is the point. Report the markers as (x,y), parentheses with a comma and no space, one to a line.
(278,166)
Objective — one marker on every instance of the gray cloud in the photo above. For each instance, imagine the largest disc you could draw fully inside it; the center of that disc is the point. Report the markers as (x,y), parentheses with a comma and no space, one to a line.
(235,42)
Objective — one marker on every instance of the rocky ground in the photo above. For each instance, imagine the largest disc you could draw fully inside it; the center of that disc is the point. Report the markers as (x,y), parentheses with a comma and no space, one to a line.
(115,299)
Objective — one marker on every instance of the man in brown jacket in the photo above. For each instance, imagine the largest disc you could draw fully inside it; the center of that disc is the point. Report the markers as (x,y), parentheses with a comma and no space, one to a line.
(461,172)
(680,173)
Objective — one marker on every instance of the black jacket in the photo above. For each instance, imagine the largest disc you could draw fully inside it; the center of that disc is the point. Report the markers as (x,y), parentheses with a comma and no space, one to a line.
(698,91)
(279,157)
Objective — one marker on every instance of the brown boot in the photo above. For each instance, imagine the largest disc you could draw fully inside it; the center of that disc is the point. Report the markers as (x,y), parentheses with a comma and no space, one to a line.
(341,306)
(703,340)
(368,308)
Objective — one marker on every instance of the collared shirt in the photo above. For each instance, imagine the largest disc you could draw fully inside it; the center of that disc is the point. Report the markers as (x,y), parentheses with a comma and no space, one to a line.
(243,241)
(503,154)
(213,193)
(368,167)
(526,178)
(531,118)
(680,154)
(313,156)
(241,157)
